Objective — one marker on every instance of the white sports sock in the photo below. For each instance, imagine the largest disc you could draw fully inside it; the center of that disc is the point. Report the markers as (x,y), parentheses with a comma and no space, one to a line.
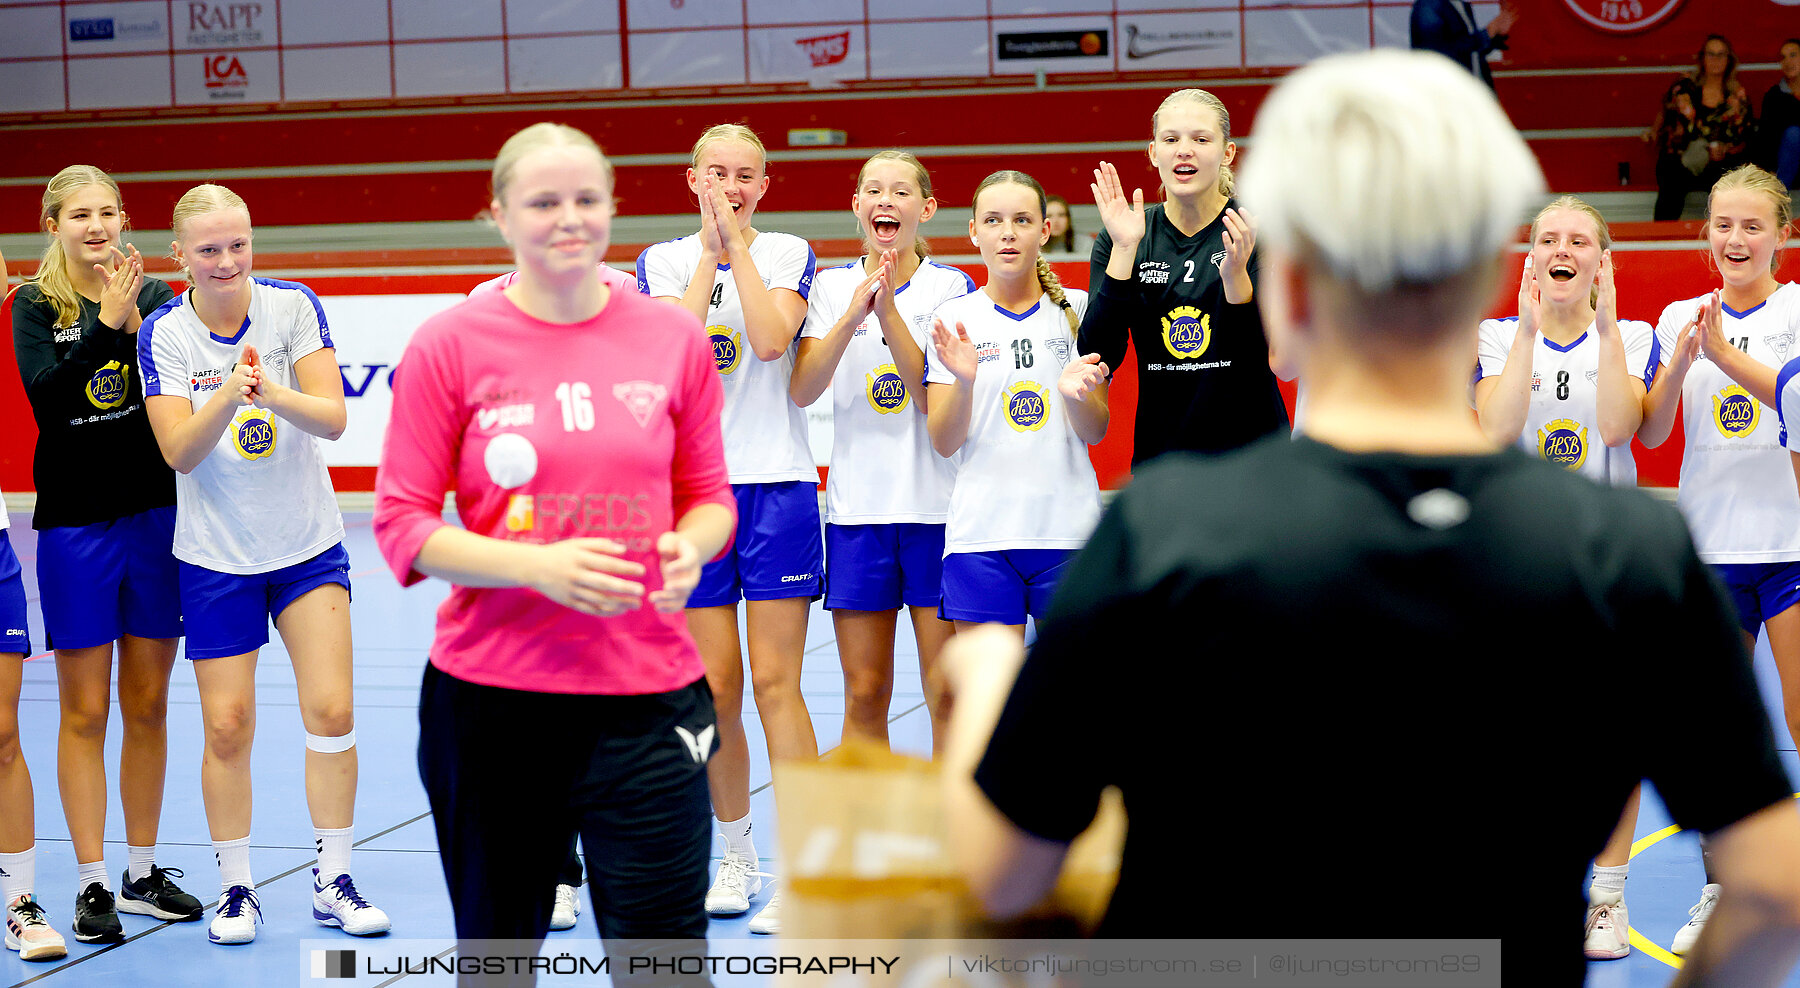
(142,860)
(737,837)
(234,862)
(334,852)
(18,874)
(89,872)
(1610,881)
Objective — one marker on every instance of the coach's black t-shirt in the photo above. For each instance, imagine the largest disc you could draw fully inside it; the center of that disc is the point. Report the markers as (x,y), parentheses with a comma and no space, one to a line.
(1204,382)
(96,458)
(1319,678)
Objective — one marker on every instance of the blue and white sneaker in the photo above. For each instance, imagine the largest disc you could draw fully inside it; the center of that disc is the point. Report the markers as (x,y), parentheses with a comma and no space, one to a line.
(236,918)
(339,904)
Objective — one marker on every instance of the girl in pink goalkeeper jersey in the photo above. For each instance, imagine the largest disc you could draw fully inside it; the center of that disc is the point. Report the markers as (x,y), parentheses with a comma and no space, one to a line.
(579,426)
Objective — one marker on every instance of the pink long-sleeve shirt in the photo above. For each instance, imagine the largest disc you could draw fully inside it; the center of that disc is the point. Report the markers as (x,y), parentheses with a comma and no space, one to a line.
(605,428)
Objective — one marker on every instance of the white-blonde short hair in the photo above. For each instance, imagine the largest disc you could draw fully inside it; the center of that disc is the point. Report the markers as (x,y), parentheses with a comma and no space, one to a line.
(1388,169)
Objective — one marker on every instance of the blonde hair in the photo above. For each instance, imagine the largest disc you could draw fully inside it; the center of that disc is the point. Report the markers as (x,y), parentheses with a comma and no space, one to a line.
(542,135)
(53,270)
(1579,205)
(1750,178)
(1047,279)
(1210,102)
(1420,192)
(729,132)
(200,200)
(921,177)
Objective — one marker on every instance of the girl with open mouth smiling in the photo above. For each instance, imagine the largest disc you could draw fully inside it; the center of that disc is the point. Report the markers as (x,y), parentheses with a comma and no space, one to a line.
(1720,354)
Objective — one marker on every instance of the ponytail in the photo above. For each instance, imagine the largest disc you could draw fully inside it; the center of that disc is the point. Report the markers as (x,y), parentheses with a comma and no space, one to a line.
(1052,286)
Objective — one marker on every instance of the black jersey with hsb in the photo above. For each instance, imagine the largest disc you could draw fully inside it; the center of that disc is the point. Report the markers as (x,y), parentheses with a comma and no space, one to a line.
(96,458)
(1204,382)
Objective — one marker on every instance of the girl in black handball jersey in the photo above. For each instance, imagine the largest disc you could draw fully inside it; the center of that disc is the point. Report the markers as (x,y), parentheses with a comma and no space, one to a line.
(1178,279)
(105,519)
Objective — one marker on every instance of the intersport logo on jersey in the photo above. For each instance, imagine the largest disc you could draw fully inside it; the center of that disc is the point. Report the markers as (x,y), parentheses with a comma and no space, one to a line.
(1623,16)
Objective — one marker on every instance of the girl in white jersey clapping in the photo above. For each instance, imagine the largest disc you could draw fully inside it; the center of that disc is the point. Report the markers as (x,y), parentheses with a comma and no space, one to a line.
(1011,401)
(1720,354)
(240,382)
(749,289)
(888,493)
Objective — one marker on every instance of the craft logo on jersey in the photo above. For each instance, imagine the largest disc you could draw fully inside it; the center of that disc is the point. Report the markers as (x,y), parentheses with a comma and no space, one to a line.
(1564,442)
(253,432)
(727,348)
(641,399)
(207,380)
(985,352)
(1735,412)
(824,50)
(106,389)
(68,334)
(1153,272)
(1623,16)
(1025,406)
(1186,332)
(886,389)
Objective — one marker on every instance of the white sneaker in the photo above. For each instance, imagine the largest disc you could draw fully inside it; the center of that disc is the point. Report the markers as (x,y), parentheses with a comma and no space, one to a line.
(29,933)
(769,920)
(736,881)
(1701,911)
(339,904)
(1608,931)
(237,916)
(568,906)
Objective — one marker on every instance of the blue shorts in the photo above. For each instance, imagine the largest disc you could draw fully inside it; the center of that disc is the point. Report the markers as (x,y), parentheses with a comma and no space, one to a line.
(1003,585)
(777,552)
(881,567)
(229,613)
(99,582)
(1760,590)
(15,634)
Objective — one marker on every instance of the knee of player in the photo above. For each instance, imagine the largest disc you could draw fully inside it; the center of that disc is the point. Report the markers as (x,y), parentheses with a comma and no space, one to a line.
(230,730)
(85,718)
(331,719)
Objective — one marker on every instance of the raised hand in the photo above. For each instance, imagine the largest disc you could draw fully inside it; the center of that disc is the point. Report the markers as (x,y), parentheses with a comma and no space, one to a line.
(1124,219)
(589,576)
(244,382)
(731,236)
(710,241)
(1082,376)
(122,282)
(1240,241)
(680,572)
(869,293)
(954,350)
(890,262)
(1710,327)
(1606,304)
(1531,300)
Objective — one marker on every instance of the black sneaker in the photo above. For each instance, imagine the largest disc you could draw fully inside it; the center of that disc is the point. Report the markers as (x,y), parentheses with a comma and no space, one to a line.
(155,895)
(95,919)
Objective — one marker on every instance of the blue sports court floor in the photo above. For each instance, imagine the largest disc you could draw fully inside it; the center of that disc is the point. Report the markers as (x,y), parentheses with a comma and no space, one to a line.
(396,861)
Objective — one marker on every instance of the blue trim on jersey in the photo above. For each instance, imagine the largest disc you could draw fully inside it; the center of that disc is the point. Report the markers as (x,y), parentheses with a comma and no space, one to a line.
(1782,377)
(1477,373)
(1563,349)
(1654,362)
(146,359)
(1735,313)
(1019,316)
(812,264)
(245,328)
(318,309)
(968,282)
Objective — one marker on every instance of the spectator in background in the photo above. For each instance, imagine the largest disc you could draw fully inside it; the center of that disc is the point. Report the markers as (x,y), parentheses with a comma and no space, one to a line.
(1704,130)
(1778,132)
(1063,238)
(1448,28)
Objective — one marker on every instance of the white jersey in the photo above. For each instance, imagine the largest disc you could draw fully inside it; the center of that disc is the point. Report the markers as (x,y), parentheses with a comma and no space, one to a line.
(262,499)
(883,469)
(765,432)
(1737,487)
(1562,422)
(1023,477)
